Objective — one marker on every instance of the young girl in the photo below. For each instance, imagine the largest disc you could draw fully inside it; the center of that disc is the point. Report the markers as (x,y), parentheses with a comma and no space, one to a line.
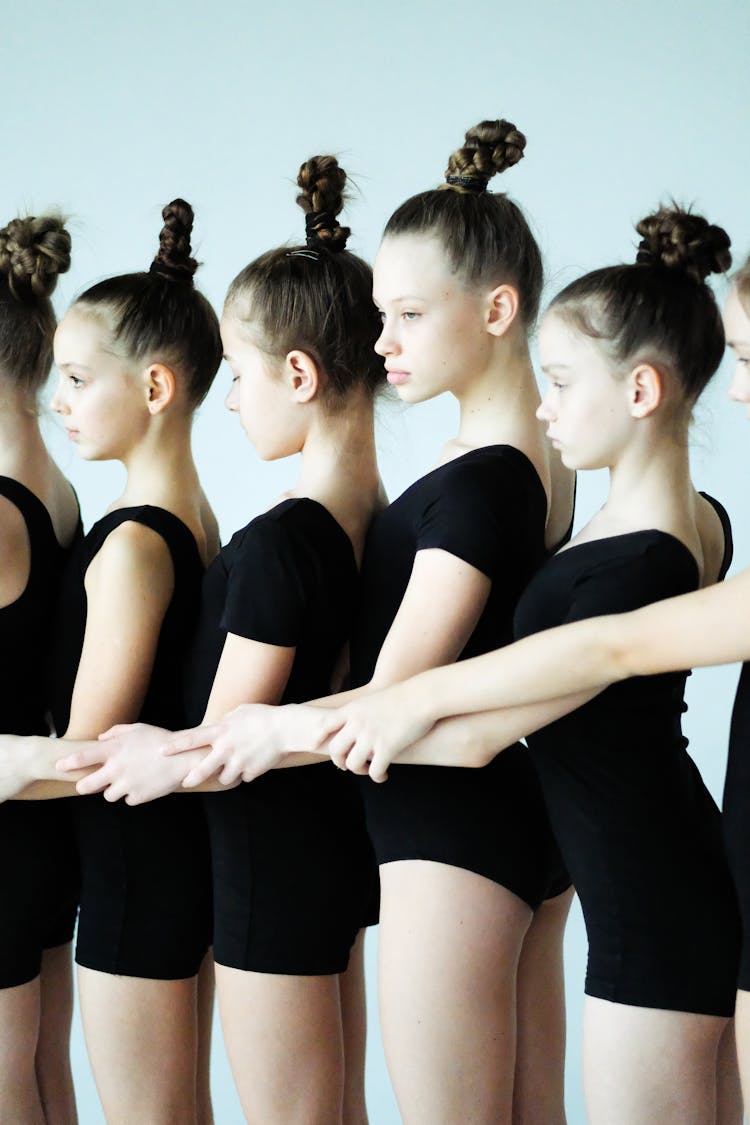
(627,351)
(136,354)
(293,868)
(38,523)
(468,945)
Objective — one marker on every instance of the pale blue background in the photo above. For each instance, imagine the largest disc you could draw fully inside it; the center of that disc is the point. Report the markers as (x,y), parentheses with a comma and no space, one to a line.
(111,111)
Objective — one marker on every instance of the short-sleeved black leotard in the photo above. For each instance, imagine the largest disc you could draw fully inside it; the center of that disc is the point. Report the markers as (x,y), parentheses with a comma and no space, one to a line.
(736,818)
(293,866)
(145,870)
(487,507)
(40,873)
(638,830)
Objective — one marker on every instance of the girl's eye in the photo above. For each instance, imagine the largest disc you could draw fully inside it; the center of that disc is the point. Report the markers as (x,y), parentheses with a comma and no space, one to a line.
(409,315)
(75,381)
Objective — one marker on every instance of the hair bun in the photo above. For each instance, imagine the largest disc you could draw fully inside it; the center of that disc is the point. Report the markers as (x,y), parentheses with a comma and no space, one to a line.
(33,252)
(681,240)
(173,260)
(322,184)
(489,148)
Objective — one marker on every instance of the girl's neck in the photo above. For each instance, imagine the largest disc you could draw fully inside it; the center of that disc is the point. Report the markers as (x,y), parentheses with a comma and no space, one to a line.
(161,470)
(500,403)
(21,444)
(650,485)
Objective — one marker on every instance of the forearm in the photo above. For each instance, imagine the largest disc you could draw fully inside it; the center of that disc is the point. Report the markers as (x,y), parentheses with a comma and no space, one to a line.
(48,782)
(583,657)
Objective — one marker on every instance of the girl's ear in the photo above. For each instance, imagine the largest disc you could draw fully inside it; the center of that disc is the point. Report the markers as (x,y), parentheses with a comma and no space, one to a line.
(645,390)
(160,387)
(502,309)
(302,375)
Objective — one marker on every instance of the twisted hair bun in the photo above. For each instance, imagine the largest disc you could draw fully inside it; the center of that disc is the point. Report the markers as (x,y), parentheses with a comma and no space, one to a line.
(489,148)
(33,252)
(173,260)
(683,241)
(322,182)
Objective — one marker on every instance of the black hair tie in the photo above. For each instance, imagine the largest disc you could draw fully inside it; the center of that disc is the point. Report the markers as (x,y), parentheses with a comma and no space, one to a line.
(315,223)
(474,184)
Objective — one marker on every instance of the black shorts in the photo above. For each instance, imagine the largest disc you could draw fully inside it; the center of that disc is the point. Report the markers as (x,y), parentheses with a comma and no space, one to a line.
(39,885)
(145,887)
(492,821)
(293,871)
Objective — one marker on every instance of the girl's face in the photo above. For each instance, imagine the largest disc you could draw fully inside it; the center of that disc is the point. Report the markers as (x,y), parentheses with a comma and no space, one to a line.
(737,328)
(586,408)
(101,400)
(434,336)
(260,395)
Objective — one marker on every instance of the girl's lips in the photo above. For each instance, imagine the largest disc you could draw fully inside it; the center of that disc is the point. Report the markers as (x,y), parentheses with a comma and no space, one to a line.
(72,434)
(397,377)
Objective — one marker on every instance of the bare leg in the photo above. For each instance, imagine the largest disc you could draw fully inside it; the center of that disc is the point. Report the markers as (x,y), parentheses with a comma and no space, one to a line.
(728,1091)
(742,1031)
(53,1049)
(354,1022)
(141,1039)
(20,1103)
(539,1090)
(285,1045)
(643,1065)
(205,1000)
(449,946)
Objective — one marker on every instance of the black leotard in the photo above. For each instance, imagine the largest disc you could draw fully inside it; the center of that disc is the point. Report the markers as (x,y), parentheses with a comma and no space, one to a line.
(293,867)
(487,507)
(639,832)
(736,819)
(145,870)
(40,873)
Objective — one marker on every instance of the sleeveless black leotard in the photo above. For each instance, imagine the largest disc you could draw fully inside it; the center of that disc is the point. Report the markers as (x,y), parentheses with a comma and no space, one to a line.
(736,819)
(487,507)
(145,870)
(639,831)
(293,866)
(39,885)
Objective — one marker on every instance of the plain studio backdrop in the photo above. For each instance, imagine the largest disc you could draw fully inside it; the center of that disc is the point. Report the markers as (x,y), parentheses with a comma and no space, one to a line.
(110,111)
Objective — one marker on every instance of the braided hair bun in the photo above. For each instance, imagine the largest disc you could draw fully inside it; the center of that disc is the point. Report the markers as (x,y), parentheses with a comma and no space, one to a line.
(322,182)
(489,148)
(33,252)
(681,240)
(173,260)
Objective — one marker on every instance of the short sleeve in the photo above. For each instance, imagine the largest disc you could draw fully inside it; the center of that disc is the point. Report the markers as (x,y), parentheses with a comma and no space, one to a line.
(268,585)
(470,514)
(660,570)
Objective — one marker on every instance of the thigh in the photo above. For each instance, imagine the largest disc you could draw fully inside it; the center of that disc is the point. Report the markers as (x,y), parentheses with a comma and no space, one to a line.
(449,946)
(643,1065)
(53,1070)
(354,1026)
(141,1037)
(539,1087)
(276,1029)
(19,1029)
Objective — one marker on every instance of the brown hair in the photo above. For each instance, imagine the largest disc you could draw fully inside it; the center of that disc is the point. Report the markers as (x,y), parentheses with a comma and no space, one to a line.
(33,252)
(660,309)
(741,282)
(485,235)
(158,315)
(315,297)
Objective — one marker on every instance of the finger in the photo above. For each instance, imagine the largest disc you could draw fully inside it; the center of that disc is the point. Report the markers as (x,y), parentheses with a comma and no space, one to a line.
(93,783)
(204,770)
(339,747)
(115,792)
(379,767)
(82,759)
(359,756)
(232,772)
(323,728)
(199,738)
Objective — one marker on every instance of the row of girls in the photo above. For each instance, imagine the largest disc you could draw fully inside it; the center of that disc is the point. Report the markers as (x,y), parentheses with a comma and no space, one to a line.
(269,878)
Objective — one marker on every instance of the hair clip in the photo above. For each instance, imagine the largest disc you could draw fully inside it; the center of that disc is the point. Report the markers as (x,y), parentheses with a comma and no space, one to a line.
(313,255)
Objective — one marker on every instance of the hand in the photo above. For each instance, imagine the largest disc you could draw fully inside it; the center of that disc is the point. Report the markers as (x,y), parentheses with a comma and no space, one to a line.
(16,770)
(249,741)
(371,731)
(131,765)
